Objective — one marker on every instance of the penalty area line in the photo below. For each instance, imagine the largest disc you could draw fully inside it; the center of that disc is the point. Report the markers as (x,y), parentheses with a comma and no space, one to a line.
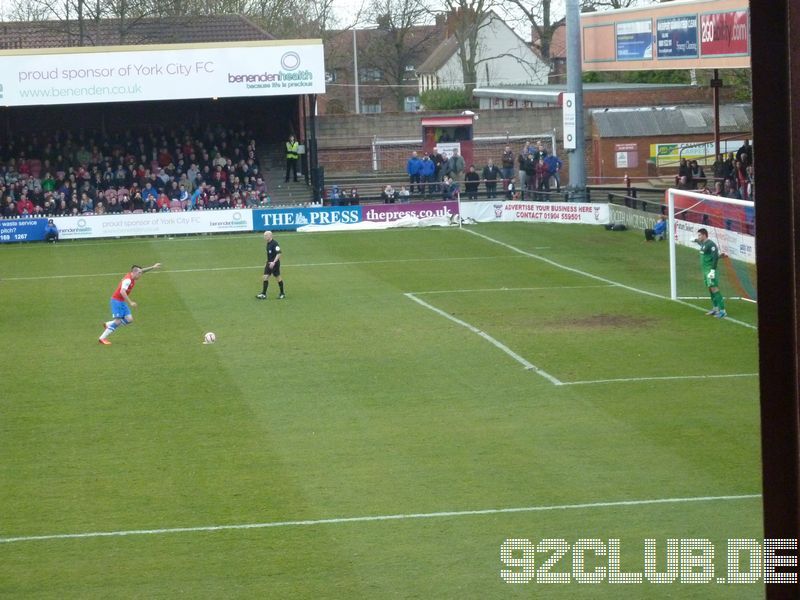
(657,378)
(375,518)
(497,344)
(515,289)
(596,277)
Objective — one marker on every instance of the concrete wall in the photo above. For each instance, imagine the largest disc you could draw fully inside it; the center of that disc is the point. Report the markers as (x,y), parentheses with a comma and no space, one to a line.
(341,131)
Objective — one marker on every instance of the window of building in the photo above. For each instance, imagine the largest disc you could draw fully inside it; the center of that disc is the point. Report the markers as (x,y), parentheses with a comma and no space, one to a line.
(335,107)
(371,105)
(411,104)
(370,74)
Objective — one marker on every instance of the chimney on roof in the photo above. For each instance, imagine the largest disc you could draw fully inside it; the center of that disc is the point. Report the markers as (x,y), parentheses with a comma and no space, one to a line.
(440,20)
(460,19)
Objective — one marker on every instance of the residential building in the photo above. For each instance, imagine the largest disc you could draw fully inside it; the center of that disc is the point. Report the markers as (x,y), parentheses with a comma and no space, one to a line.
(502,59)
(387,61)
(553,51)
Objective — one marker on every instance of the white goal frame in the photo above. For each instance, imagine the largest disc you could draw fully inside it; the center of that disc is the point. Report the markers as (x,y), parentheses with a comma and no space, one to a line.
(674,236)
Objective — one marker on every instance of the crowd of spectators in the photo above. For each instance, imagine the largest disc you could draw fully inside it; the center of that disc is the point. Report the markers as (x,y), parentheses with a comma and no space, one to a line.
(144,170)
(340,197)
(432,175)
(732,175)
(533,170)
(529,174)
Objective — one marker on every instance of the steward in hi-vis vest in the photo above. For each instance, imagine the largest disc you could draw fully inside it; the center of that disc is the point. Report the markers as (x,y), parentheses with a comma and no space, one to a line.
(292,156)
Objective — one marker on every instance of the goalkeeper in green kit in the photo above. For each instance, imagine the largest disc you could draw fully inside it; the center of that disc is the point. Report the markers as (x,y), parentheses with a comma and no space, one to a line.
(709,255)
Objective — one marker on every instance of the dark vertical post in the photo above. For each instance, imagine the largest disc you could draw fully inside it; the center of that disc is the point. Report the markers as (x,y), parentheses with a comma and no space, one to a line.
(716,84)
(775,27)
(311,149)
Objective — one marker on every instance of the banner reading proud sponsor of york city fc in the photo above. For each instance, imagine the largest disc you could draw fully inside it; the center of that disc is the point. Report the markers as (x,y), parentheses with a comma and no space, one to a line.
(123,74)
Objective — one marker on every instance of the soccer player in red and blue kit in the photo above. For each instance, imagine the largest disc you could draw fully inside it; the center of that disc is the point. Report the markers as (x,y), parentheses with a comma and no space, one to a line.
(121,303)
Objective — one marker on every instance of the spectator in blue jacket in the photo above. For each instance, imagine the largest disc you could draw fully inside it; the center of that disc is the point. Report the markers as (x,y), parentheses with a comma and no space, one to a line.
(51,231)
(554,165)
(336,196)
(427,173)
(413,168)
(149,192)
(658,231)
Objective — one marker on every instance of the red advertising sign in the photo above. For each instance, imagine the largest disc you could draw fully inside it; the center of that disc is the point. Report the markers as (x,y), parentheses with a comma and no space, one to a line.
(724,34)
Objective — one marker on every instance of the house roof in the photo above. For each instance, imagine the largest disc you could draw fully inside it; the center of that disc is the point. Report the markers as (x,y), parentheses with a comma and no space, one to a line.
(671,120)
(439,57)
(339,44)
(446,121)
(449,46)
(115,32)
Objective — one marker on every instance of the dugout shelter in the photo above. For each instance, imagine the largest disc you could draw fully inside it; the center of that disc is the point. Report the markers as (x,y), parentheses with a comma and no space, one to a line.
(447,133)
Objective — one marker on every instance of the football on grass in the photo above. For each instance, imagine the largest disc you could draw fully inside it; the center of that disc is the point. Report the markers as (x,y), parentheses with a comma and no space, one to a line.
(209,338)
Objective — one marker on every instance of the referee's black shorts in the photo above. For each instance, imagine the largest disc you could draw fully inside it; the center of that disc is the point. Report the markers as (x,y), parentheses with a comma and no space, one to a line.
(275,271)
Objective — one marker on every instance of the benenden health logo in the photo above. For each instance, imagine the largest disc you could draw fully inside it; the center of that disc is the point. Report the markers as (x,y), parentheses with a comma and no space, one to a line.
(290,75)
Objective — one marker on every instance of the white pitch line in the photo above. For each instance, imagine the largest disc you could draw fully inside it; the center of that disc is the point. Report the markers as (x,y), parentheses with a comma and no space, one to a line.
(525,363)
(242,268)
(367,519)
(597,277)
(663,378)
(518,289)
(532,367)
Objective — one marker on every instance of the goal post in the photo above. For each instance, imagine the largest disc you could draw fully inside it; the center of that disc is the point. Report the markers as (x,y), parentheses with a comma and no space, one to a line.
(731,224)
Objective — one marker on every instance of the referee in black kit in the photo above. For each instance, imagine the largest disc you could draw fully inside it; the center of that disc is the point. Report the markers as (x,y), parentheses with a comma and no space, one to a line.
(273,266)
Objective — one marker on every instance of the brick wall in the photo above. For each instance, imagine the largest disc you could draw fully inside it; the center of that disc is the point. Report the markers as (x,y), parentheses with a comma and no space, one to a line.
(345,142)
(658,97)
(603,168)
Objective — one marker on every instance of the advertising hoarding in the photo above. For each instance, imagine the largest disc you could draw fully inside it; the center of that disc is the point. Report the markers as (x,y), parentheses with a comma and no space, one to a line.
(725,33)
(676,37)
(635,40)
(111,74)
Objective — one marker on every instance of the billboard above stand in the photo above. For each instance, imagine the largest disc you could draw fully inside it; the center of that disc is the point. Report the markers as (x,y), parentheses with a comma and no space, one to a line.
(700,34)
(176,72)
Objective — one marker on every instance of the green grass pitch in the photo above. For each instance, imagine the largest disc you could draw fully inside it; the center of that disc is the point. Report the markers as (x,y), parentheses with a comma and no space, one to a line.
(437,377)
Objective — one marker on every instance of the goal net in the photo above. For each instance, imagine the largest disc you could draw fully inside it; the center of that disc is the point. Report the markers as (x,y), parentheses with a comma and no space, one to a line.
(731,224)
